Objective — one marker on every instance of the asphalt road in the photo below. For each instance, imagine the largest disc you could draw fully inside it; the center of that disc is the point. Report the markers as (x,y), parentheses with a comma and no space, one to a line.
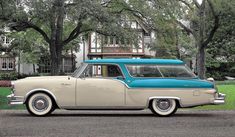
(186,123)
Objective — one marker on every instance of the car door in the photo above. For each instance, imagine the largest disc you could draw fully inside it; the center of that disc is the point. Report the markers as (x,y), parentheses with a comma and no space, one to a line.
(98,87)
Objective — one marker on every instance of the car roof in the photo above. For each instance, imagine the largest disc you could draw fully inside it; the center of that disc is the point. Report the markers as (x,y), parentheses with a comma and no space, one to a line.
(137,61)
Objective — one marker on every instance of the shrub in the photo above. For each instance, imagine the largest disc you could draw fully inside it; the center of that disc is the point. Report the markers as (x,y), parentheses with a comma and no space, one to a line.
(8,76)
(5,83)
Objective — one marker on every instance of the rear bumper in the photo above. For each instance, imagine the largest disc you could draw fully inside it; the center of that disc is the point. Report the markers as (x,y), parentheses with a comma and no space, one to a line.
(219,99)
(15,100)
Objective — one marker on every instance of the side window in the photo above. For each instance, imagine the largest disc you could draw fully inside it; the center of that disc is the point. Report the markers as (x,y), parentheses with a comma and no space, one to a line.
(102,70)
(144,71)
(175,71)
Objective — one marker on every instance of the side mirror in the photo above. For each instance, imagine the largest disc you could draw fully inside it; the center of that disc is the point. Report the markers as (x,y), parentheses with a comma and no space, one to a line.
(210,79)
(120,78)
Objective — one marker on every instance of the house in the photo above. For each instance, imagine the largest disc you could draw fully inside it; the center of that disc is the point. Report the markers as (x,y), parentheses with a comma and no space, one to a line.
(96,46)
(7,60)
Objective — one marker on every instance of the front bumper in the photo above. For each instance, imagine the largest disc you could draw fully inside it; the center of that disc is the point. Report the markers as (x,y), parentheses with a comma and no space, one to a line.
(219,99)
(15,100)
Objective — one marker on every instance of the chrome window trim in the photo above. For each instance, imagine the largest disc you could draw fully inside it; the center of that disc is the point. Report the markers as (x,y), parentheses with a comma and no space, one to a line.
(81,71)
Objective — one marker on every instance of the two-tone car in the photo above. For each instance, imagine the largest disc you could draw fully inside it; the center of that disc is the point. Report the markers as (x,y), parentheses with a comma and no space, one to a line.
(161,85)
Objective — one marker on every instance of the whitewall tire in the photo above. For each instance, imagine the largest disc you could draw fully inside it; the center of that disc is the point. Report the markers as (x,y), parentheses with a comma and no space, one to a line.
(163,107)
(40,104)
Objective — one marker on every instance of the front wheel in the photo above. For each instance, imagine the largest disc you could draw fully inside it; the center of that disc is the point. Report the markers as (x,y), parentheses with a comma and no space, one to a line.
(40,104)
(163,107)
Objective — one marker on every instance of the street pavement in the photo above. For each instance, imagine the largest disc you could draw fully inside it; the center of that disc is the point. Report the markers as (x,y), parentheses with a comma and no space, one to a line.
(62,123)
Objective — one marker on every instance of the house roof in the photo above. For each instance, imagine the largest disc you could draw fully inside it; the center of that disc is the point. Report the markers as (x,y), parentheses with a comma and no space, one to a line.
(137,61)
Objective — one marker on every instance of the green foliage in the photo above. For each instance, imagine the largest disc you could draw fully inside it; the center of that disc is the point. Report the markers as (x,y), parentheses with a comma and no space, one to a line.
(8,76)
(222,47)
(221,51)
(29,45)
(218,70)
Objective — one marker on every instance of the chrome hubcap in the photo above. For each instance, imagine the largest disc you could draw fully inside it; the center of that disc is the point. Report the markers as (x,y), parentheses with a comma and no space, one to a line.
(163,104)
(40,104)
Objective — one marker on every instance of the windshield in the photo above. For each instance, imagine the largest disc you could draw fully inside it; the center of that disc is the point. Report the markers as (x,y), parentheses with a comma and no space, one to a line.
(173,71)
(79,70)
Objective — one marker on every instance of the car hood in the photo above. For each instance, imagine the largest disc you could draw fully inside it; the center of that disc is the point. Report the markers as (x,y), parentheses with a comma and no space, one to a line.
(43,77)
(46,77)
(171,83)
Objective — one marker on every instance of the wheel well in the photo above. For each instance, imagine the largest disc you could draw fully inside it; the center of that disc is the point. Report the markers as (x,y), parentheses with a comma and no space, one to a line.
(177,102)
(41,91)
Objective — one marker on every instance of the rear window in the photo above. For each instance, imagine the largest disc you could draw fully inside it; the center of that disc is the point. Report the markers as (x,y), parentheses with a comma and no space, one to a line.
(160,71)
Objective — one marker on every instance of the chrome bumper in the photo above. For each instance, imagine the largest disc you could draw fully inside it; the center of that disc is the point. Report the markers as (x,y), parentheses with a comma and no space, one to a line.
(15,100)
(219,99)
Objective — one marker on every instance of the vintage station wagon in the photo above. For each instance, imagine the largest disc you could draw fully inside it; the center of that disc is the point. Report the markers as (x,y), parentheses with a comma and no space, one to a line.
(162,85)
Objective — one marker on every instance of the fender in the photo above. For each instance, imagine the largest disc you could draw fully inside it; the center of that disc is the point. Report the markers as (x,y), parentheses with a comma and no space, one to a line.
(161,97)
(40,89)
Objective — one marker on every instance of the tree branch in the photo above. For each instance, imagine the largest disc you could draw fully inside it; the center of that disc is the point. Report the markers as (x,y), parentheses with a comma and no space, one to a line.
(187,4)
(215,27)
(74,33)
(187,29)
(196,3)
(22,25)
(43,33)
(70,4)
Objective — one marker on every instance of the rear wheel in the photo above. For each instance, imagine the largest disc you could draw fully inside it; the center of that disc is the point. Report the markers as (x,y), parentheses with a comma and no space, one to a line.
(40,104)
(163,107)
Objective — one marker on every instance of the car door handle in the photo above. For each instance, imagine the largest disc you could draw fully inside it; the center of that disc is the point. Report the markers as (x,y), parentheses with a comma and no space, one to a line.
(65,84)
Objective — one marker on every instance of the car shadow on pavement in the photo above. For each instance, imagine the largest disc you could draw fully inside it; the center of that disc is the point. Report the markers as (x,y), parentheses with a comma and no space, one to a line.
(113,115)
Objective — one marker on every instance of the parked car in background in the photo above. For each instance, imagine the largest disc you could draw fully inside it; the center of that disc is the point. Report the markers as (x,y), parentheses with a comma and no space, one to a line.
(162,85)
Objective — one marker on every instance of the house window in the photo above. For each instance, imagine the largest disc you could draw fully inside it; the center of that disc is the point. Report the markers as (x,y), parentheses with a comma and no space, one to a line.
(106,40)
(7,40)
(146,34)
(68,65)
(96,41)
(7,63)
(4,66)
(10,65)
(44,65)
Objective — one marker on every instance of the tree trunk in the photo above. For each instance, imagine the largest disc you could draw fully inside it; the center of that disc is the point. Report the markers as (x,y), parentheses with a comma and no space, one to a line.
(199,40)
(177,46)
(55,59)
(56,45)
(201,69)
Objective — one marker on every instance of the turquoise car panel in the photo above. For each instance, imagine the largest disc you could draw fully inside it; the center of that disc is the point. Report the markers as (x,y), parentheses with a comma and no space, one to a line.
(170,83)
(138,61)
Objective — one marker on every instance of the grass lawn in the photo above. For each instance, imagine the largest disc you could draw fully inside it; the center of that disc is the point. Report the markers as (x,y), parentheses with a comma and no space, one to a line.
(229,90)
(3,100)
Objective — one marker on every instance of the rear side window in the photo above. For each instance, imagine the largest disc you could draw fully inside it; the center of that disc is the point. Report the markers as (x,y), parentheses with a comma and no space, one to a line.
(172,71)
(175,71)
(143,71)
